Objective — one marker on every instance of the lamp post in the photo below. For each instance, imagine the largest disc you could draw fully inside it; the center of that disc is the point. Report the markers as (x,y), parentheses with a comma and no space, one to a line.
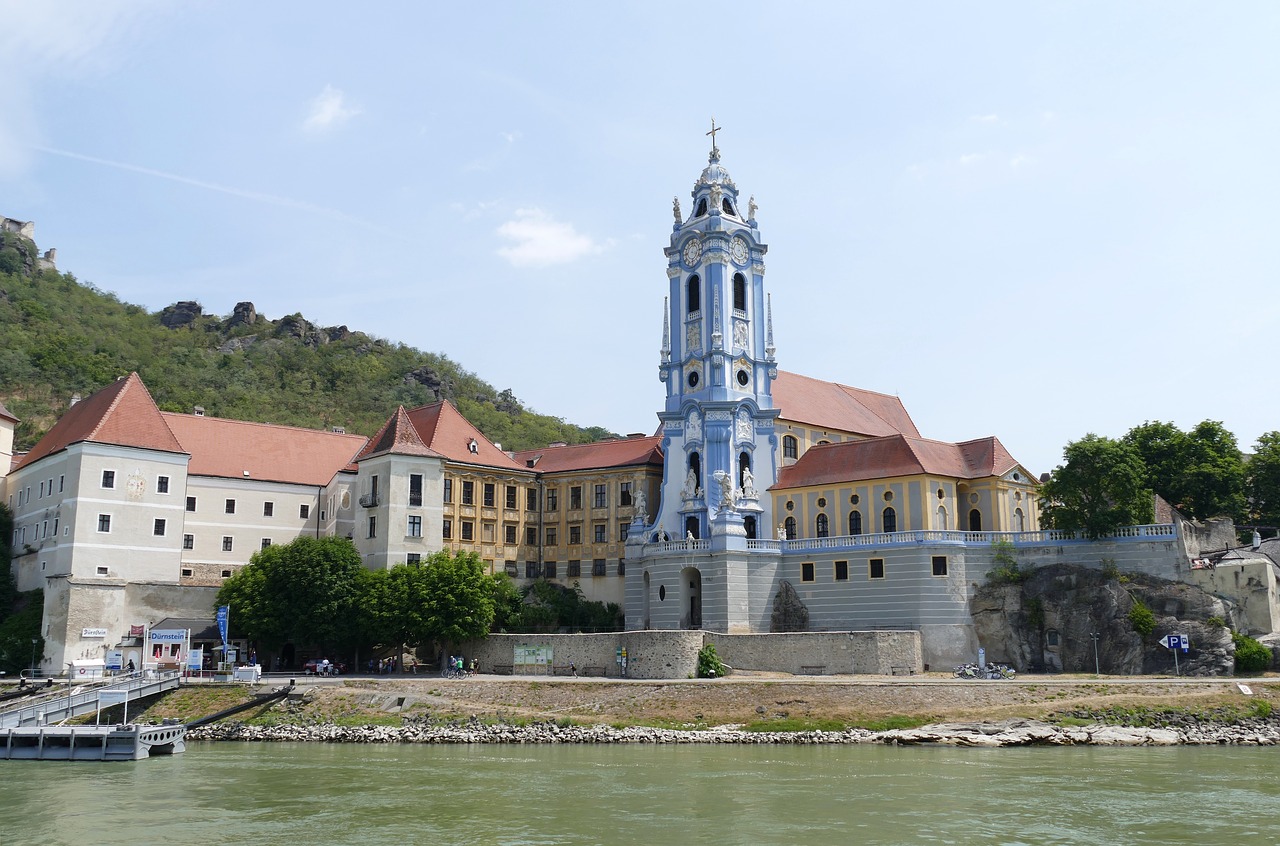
(67,715)
(1097,668)
(34,641)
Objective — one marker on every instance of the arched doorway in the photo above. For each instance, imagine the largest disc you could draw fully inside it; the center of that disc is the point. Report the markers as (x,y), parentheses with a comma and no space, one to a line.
(749,526)
(691,586)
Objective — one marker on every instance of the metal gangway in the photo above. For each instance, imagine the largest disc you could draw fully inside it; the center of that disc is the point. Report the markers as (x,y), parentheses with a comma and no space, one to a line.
(62,702)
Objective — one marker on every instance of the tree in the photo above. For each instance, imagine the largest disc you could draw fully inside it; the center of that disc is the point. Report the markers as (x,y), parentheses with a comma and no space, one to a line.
(1201,472)
(1165,450)
(311,590)
(457,597)
(1099,489)
(1263,480)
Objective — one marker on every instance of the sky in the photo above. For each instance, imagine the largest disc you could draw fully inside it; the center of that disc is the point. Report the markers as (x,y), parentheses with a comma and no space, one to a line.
(1028,220)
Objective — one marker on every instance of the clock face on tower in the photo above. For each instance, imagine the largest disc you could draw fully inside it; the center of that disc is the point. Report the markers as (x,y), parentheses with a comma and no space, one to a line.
(692,252)
(738,249)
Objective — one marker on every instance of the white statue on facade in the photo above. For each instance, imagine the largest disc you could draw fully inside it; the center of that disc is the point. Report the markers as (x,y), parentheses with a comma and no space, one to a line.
(725,483)
(693,430)
(744,426)
(752,208)
(782,531)
(748,484)
(675,209)
(688,536)
(690,484)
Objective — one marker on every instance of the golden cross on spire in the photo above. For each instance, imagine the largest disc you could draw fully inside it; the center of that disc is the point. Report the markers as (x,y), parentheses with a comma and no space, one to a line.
(712,133)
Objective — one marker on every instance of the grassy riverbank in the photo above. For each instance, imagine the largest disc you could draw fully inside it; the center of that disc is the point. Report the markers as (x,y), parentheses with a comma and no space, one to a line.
(782,703)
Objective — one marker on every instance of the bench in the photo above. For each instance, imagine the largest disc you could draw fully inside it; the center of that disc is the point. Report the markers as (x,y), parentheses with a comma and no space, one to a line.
(592,671)
(503,669)
(902,671)
(562,670)
(813,669)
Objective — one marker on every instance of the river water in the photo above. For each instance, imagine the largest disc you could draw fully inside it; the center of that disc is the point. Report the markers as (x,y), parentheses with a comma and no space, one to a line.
(224,793)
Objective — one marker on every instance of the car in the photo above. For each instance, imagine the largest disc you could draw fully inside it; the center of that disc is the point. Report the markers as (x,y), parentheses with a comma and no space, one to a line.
(317,666)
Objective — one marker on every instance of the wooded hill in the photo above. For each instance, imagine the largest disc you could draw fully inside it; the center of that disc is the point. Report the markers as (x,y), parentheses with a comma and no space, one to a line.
(61,337)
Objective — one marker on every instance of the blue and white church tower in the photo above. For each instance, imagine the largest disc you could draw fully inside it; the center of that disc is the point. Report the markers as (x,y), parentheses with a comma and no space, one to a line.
(692,563)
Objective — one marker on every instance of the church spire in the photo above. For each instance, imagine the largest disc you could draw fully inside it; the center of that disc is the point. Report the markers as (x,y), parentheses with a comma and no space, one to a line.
(666,333)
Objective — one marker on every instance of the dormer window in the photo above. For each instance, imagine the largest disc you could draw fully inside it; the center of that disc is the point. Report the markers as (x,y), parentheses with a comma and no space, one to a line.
(473,446)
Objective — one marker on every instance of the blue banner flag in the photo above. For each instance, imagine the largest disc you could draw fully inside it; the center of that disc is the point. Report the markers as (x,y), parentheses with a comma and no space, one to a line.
(224,612)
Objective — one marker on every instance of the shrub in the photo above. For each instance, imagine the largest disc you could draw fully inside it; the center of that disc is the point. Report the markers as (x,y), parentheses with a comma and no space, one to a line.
(709,664)
(1251,656)
(1141,618)
(1216,622)
(1005,569)
(1109,568)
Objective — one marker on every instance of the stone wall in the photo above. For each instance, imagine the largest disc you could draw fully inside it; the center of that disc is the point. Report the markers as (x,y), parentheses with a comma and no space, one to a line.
(822,653)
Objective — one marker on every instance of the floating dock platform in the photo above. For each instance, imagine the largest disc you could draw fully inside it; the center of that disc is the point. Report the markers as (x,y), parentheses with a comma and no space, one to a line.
(91,743)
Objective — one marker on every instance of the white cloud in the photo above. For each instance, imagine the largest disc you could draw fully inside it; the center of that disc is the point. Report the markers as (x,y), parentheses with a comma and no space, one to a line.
(328,110)
(985,118)
(538,240)
(969,159)
(1020,160)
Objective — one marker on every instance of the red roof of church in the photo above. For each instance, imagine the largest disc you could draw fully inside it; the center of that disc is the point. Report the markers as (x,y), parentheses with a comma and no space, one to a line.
(625,452)
(446,432)
(122,413)
(397,436)
(830,405)
(268,452)
(896,455)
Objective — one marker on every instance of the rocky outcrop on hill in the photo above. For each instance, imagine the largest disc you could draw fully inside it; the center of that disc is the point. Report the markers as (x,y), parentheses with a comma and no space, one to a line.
(180,314)
(1047,622)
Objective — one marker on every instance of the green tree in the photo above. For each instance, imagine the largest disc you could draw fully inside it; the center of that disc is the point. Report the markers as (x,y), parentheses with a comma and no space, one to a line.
(1100,488)
(1201,472)
(457,598)
(1165,450)
(311,590)
(1263,480)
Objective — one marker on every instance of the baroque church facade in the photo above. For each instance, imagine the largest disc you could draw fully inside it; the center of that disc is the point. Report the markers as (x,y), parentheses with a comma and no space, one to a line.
(767,501)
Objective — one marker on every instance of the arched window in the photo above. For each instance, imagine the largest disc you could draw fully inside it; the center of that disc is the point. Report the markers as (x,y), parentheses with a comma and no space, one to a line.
(890,520)
(975,520)
(1019,522)
(942,517)
(739,292)
(692,527)
(789,526)
(749,525)
(744,463)
(695,464)
(694,288)
(726,206)
(821,526)
(789,446)
(702,208)
(855,522)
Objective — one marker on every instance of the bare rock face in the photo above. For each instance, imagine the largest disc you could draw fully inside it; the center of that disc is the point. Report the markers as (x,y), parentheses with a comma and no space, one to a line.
(244,315)
(337,333)
(428,378)
(789,612)
(180,314)
(1047,623)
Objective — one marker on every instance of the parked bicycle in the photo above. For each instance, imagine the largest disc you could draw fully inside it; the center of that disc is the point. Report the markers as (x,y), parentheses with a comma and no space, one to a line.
(989,671)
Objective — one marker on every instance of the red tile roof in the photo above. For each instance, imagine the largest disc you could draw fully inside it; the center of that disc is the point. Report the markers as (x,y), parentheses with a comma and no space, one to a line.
(896,455)
(122,413)
(228,448)
(446,432)
(627,452)
(397,436)
(830,405)
(6,415)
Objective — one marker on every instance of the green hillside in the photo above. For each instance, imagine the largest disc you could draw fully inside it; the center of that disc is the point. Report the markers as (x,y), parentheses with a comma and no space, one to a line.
(59,337)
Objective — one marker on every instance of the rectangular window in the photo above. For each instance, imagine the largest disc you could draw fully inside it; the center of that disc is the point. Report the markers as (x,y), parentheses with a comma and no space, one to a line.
(266,542)
(531,535)
(842,571)
(622,566)
(413,558)
(806,571)
(513,496)
(373,526)
(575,569)
(226,574)
(602,496)
(551,536)
(468,530)
(939,565)
(304,511)
(415,527)
(162,484)
(42,490)
(188,542)
(575,535)
(191,503)
(468,493)
(531,569)
(103,571)
(598,567)
(488,494)
(226,543)
(624,493)
(531,499)
(186,572)
(600,533)
(575,497)
(549,570)
(61,479)
(446,529)
(553,501)
(104,523)
(448,490)
(875,568)
(415,490)
(231,506)
(108,479)
(157,528)
(622,531)
(509,533)
(486,532)
(268,509)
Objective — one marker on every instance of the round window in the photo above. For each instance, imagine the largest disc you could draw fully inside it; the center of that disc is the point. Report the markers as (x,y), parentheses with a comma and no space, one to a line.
(822,502)
(854,500)
(790,505)
(888,496)
(693,379)
(743,378)
(1017,478)
(662,592)
(973,497)
(941,495)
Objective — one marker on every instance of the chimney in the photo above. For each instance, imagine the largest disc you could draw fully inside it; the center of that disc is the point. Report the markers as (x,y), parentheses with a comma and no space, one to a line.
(75,398)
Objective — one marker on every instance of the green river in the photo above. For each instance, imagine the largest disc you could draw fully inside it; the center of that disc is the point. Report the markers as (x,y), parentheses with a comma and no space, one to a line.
(523,795)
